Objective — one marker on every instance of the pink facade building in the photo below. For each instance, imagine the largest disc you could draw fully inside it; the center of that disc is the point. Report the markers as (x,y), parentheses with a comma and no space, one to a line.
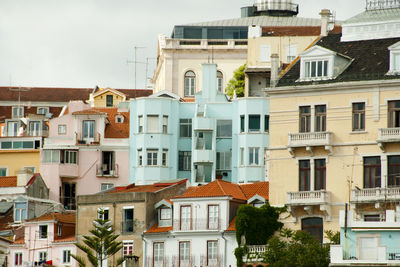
(87,151)
(49,238)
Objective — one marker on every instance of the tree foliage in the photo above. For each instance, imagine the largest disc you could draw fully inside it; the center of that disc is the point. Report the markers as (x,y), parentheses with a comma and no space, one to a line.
(236,83)
(334,237)
(295,249)
(100,245)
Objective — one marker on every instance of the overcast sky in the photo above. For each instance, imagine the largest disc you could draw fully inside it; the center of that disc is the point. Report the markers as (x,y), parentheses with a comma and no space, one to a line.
(84,43)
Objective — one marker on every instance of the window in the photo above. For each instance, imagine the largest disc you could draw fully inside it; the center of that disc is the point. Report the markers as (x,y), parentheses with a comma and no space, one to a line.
(212,253)
(108,166)
(291,52)
(68,196)
(17,112)
(18,258)
(152,123)
(185,127)
(254,123)
(213,217)
(3,172)
(140,157)
(186,219)
(165,214)
(42,231)
(158,253)
(42,256)
(51,156)
(12,128)
(42,110)
(152,157)
(396,62)
(19,211)
(305,119)
(372,172)
(253,155)
(224,128)
(242,123)
(304,175)
(103,214)
(185,160)
(69,157)
(128,222)
(106,186)
(164,157)
(59,229)
(320,174)
(62,129)
(372,218)
(88,129)
(34,128)
(119,119)
(316,69)
(190,83)
(203,173)
(109,100)
(314,226)
(165,124)
(393,171)
(224,160)
(140,126)
(242,156)
(220,81)
(266,123)
(320,118)
(394,114)
(358,116)
(66,259)
(127,249)
(265,53)
(184,254)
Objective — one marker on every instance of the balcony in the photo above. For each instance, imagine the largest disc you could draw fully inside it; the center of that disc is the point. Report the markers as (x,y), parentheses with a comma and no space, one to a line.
(254,253)
(105,170)
(309,140)
(204,123)
(375,194)
(388,135)
(198,225)
(68,170)
(305,200)
(82,140)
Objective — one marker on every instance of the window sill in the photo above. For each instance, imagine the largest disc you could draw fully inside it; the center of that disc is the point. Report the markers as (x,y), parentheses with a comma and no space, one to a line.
(224,137)
(358,132)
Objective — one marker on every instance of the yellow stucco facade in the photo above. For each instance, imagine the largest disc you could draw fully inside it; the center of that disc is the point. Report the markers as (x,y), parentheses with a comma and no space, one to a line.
(343,149)
(107,98)
(14,160)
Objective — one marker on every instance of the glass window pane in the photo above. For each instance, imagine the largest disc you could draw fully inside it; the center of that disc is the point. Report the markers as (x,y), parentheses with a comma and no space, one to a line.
(254,123)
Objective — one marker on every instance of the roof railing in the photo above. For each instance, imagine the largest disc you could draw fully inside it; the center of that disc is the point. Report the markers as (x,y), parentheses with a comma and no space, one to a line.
(381,4)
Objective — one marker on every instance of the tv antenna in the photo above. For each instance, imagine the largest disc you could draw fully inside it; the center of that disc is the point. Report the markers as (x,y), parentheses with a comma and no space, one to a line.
(135,61)
(19,90)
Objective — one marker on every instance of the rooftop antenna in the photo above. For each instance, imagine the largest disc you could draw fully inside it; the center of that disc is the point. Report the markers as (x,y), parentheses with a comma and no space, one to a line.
(19,90)
(135,61)
(147,67)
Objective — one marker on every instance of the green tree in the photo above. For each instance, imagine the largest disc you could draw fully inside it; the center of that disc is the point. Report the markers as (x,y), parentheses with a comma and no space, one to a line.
(100,245)
(236,83)
(295,249)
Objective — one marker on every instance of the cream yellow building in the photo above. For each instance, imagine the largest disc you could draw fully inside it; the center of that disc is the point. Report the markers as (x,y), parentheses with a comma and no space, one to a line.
(335,131)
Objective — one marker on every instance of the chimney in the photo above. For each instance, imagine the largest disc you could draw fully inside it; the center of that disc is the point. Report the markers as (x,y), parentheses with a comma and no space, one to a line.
(23,176)
(325,15)
(274,69)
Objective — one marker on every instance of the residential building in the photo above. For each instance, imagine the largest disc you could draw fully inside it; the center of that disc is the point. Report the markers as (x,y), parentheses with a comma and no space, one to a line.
(197,228)
(335,130)
(208,138)
(87,151)
(108,97)
(224,42)
(130,210)
(49,239)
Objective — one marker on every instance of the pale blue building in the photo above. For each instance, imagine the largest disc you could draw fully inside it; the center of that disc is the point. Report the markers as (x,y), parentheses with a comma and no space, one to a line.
(211,137)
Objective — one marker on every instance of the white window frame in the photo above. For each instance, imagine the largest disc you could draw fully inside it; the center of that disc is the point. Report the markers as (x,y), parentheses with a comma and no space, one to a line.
(39,254)
(119,119)
(18,212)
(212,260)
(59,229)
(140,157)
(159,257)
(165,124)
(66,260)
(44,108)
(20,110)
(291,52)
(152,127)
(140,124)
(394,51)
(306,59)
(22,258)
(254,158)
(4,168)
(152,155)
(47,232)
(133,219)
(225,161)
(69,152)
(127,244)
(108,186)
(62,129)
(101,216)
(54,156)
(168,214)
(164,157)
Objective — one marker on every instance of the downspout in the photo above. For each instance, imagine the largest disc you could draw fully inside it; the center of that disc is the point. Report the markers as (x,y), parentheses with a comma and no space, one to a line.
(144,250)
(223,237)
(114,220)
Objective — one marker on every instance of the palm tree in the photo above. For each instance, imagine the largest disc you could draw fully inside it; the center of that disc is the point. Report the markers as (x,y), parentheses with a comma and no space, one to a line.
(100,245)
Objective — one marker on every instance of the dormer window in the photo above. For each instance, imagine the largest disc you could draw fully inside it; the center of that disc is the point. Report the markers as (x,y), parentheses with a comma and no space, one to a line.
(165,217)
(119,119)
(394,67)
(316,69)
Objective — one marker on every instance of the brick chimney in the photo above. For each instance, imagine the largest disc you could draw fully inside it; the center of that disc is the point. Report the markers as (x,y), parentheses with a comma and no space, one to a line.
(325,15)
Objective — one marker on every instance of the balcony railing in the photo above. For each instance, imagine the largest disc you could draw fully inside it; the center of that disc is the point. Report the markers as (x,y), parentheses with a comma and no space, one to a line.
(308,197)
(105,170)
(375,194)
(277,5)
(389,135)
(194,260)
(382,4)
(83,140)
(198,225)
(254,253)
(310,139)
(43,133)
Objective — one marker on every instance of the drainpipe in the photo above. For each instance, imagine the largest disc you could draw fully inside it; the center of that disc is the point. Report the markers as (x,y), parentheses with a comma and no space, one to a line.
(223,237)
(144,250)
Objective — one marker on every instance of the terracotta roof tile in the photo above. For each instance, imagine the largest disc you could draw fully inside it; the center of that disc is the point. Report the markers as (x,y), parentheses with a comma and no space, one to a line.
(232,226)
(156,229)
(55,216)
(88,112)
(258,188)
(20,240)
(144,188)
(296,30)
(133,93)
(114,129)
(70,238)
(36,175)
(45,94)
(188,99)
(8,181)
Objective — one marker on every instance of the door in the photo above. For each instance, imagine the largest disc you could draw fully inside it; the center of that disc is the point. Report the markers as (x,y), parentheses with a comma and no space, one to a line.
(88,131)
(186,217)
(12,128)
(368,249)
(34,128)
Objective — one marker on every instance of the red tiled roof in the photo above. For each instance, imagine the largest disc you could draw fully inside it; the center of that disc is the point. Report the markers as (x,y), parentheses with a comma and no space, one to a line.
(55,216)
(8,181)
(188,99)
(114,129)
(65,239)
(232,226)
(45,94)
(156,229)
(296,30)
(36,175)
(88,112)
(220,188)
(133,93)
(20,240)
(143,188)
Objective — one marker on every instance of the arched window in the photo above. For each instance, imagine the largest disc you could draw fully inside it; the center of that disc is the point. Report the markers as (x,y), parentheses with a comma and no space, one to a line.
(314,226)
(220,80)
(190,83)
